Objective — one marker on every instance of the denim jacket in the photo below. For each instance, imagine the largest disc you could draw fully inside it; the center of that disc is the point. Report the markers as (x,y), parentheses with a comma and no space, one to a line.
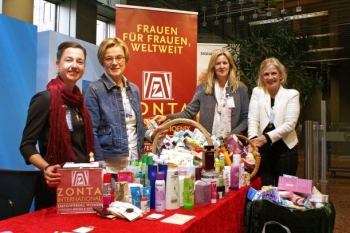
(104,101)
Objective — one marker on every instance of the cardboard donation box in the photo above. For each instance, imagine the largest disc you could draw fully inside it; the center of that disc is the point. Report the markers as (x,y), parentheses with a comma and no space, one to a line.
(79,191)
(295,185)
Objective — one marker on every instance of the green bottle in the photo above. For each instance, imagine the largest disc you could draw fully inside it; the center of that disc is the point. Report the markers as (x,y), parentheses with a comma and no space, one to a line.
(144,168)
(189,191)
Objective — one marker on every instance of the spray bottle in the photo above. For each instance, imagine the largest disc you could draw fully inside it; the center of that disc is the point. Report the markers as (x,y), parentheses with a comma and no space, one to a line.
(235,172)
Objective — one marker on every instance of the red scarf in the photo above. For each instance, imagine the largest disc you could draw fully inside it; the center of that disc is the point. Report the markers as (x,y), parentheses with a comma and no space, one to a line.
(59,148)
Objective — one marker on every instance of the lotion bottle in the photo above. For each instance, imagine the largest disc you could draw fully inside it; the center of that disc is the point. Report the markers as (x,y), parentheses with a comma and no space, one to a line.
(182,175)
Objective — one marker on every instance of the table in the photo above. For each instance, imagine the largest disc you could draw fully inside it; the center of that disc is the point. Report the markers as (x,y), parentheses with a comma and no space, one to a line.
(227,215)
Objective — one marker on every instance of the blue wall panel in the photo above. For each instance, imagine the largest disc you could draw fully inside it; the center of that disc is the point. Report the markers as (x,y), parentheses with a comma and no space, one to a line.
(27,64)
(18,53)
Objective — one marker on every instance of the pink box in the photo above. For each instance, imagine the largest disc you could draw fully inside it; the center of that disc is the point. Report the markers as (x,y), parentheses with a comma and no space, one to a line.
(295,184)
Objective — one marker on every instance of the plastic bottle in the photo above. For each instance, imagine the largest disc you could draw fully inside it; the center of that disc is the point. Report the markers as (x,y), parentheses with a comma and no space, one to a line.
(226,176)
(189,191)
(160,192)
(152,176)
(144,205)
(107,188)
(213,191)
(217,166)
(235,172)
(182,175)
(144,167)
(221,187)
(172,188)
(241,175)
(226,156)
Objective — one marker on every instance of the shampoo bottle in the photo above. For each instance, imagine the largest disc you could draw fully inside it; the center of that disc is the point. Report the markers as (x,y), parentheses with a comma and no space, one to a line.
(172,188)
(160,192)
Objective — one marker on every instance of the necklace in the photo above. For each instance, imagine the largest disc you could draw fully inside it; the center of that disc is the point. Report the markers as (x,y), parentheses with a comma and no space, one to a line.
(221,101)
(77,114)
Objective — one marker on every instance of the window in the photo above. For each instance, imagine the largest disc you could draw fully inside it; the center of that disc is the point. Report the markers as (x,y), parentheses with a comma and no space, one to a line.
(101,31)
(44,16)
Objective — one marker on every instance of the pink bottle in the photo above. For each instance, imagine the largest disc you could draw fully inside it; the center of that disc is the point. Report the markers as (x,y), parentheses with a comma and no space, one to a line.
(160,192)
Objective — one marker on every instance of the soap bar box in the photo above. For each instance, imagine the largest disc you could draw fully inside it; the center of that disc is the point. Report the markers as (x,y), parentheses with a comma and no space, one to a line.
(253,194)
(202,193)
(295,185)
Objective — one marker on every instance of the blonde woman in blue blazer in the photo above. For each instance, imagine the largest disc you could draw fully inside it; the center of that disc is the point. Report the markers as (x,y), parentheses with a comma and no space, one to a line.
(272,118)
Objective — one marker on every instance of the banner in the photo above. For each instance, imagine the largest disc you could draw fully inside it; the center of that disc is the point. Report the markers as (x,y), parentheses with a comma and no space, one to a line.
(80,190)
(204,51)
(163,47)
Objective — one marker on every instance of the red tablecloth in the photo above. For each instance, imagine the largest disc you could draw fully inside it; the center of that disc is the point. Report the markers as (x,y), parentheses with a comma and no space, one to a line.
(227,215)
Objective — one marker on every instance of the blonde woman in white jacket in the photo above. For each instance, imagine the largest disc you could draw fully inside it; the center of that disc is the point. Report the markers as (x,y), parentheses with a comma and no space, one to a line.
(272,118)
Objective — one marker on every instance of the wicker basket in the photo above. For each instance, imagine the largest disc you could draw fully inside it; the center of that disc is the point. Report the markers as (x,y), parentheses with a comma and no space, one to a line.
(254,152)
(207,136)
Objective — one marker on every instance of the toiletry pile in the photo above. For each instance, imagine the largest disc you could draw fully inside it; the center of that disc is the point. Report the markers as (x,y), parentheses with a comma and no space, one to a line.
(291,192)
(185,172)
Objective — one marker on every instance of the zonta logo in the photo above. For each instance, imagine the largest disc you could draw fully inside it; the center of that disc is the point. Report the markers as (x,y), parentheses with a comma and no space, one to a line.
(157,85)
(80,178)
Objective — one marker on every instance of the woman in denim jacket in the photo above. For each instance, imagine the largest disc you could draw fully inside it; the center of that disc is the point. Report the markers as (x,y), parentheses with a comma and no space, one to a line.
(115,109)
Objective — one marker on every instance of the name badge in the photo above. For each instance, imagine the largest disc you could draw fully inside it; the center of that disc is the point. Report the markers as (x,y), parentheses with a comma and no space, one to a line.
(230,102)
(272,117)
(128,110)
(69,120)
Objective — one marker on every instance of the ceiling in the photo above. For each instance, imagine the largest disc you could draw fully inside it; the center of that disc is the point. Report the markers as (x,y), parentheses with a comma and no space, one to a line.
(219,21)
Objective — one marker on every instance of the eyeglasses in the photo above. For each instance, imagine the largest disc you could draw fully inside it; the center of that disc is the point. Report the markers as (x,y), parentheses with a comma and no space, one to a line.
(222,50)
(273,74)
(118,59)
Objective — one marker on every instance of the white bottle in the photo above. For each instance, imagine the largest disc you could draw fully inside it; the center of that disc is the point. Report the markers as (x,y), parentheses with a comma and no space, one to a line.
(241,176)
(144,205)
(160,192)
(182,175)
(227,180)
(235,172)
(172,188)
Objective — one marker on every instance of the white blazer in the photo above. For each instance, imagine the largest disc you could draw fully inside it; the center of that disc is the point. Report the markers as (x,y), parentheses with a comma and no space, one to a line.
(286,110)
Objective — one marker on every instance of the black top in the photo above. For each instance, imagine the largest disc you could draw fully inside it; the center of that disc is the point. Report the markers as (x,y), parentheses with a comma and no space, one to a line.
(37,129)
(278,145)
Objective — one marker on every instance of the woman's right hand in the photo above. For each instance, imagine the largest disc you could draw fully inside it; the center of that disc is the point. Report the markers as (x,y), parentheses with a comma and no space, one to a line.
(159,119)
(51,176)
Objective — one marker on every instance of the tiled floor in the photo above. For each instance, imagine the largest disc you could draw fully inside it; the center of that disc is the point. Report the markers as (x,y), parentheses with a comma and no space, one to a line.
(338,189)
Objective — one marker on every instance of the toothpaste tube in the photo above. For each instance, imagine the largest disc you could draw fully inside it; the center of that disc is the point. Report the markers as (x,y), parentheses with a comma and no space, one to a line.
(296,199)
(287,203)
(286,194)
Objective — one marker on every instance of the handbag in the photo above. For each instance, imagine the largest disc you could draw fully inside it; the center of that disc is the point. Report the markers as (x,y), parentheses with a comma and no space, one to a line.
(274,222)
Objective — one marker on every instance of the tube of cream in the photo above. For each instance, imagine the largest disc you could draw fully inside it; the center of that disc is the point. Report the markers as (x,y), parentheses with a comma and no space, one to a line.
(296,199)
(213,191)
